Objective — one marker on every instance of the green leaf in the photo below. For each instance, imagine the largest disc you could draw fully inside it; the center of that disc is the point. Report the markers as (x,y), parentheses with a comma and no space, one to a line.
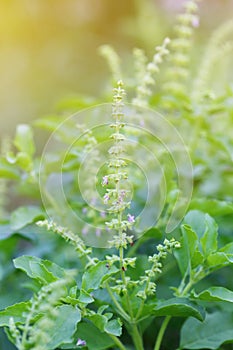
(212,206)
(228,249)
(17,311)
(222,142)
(215,294)
(76,103)
(43,271)
(24,216)
(5,231)
(95,275)
(153,232)
(50,122)
(218,260)
(196,220)
(101,309)
(114,327)
(98,320)
(28,232)
(191,239)
(24,161)
(210,334)
(209,241)
(102,322)
(179,307)
(63,329)
(85,297)
(8,171)
(95,339)
(187,255)
(24,139)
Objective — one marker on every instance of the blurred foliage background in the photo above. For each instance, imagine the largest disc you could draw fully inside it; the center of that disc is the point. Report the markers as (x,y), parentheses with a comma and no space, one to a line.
(48,48)
(49,51)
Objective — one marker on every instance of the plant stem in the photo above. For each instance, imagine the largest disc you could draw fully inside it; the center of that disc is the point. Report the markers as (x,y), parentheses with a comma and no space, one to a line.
(118,306)
(140,309)
(117,342)
(27,327)
(196,278)
(118,208)
(161,332)
(130,320)
(186,289)
(137,339)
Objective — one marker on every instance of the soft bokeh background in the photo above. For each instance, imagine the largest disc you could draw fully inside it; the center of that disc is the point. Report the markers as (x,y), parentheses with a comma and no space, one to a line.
(48,48)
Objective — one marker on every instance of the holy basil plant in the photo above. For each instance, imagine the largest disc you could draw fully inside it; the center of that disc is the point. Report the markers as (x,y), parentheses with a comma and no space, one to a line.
(87,261)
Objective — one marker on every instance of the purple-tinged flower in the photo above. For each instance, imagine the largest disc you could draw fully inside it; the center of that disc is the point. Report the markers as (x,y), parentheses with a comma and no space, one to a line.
(84,210)
(93,201)
(85,230)
(106,198)
(105,181)
(103,214)
(81,342)
(142,123)
(98,232)
(121,196)
(195,22)
(131,218)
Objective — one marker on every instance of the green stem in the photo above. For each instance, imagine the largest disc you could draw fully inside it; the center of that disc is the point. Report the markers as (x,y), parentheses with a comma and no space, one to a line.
(27,327)
(142,301)
(161,332)
(199,275)
(137,339)
(117,342)
(186,289)
(121,254)
(118,306)
(140,309)
(135,333)
(143,318)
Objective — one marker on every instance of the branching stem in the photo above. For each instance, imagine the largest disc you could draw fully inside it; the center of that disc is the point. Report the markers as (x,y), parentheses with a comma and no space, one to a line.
(161,332)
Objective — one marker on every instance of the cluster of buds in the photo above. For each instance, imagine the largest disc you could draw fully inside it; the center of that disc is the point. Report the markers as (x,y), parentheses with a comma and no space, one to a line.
(147,81)
(68,235)
(88,138)
(90,143)
(121,288)
(163,250)
(116,196)
(149,290)
(112,59)
(156,268)
(44,303)
(126,261)
(180,47)
(140,62)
